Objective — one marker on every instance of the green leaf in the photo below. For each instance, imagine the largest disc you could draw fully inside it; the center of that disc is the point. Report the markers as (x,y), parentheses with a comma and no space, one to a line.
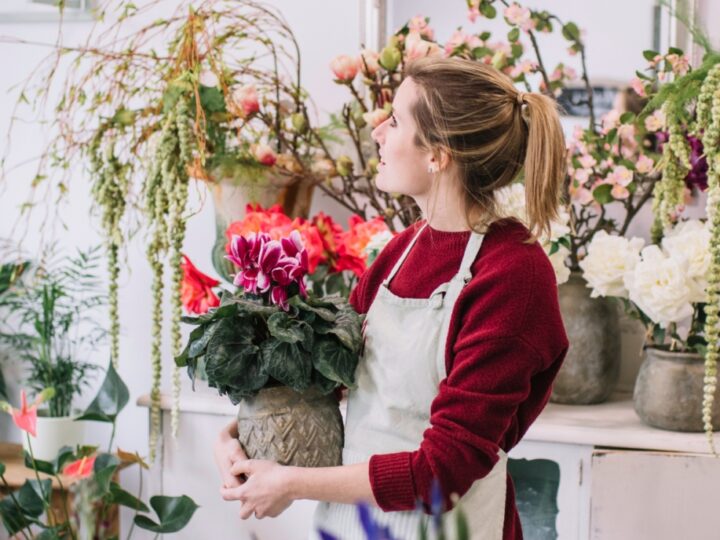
(110,399)
(348,328)
(51,533)
(287,363)
(602,194)
(571,32)
(675,50)
(211,99)
(198,346)
(284,328)
(65,456)
(627,117)
(173,513)
(658,334)
(12,516)
(119,496)
(103,471)
(516,49)
(41,466)
(514,34)
(232,364)
(565,241)
(488,10)
(461,525)
(553,249)
(334,361)
(2,468)
(649,54)
(30,496)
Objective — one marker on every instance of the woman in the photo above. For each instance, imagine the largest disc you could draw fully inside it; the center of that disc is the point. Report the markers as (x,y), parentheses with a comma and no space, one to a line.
(463,333)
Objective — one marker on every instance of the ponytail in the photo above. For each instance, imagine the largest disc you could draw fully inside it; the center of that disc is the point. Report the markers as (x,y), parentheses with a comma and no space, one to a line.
(545,164)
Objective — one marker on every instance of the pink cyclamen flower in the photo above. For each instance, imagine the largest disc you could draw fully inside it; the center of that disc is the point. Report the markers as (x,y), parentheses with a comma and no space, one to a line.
(81,468)
(264,154)
(244,100)
(344,67)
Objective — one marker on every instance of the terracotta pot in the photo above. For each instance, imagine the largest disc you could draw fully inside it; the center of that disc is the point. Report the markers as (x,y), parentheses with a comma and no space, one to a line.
(591,368)
(302,429)
(669,391)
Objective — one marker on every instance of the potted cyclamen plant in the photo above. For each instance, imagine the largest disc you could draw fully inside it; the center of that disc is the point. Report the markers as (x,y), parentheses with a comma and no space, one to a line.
(278,351)
(665,287)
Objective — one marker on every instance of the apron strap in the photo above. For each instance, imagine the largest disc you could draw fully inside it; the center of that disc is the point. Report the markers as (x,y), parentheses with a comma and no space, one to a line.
(471,251)
(402,258)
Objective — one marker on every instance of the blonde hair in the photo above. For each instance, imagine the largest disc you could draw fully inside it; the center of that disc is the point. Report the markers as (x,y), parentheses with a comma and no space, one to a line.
(491,131)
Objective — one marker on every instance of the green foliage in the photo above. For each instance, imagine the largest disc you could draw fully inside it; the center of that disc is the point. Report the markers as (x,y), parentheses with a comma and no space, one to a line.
(245,345)
(50,320)
(111,398)
(173,514)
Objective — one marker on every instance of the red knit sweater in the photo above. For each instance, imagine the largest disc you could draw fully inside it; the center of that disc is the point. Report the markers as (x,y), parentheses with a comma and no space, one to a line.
(505,345)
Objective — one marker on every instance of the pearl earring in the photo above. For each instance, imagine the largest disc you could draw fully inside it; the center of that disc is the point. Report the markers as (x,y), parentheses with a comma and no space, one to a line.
(432,169)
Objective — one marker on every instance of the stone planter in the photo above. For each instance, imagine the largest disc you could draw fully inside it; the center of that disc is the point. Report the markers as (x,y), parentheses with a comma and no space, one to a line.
(53,434)
(301,429)
(669,391)
(592,365)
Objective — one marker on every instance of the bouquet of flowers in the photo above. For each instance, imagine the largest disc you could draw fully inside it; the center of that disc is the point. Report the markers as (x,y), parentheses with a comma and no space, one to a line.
(273,331)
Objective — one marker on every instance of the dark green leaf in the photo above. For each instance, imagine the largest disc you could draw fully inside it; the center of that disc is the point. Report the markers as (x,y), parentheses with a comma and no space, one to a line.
(284,328)
(514,34)
(41,466)
(627,117)
(198,346)
(571,32)
(30,496)
(104,469)
(602,193)
(173,513)
(649,54)
(334,361)
(461,525)
(488,10)
(110,399)
(12,516)
(119,496)
(553,249)
(52,533)
(2,468)
(287,363)
(65,456)
(516,49)
(212,99)
(348,328)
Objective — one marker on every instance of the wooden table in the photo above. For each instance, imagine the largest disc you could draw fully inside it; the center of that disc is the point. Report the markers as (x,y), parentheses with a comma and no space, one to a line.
(16,473)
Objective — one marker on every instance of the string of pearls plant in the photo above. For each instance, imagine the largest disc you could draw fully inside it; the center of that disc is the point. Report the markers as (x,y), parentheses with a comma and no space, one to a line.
(708,120)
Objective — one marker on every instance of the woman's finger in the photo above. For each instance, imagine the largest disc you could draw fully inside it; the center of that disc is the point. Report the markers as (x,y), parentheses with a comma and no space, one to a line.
(233,494)
(244,466)
(246,510)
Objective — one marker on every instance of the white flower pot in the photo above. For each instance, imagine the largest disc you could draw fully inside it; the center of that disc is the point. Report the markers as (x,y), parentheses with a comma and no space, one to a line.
(53,434)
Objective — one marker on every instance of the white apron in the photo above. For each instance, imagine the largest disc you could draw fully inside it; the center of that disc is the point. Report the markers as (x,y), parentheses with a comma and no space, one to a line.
(397,380)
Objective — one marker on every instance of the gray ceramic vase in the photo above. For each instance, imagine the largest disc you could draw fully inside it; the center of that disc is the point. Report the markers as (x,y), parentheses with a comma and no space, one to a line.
(669,391)
(592,365)
(301,429)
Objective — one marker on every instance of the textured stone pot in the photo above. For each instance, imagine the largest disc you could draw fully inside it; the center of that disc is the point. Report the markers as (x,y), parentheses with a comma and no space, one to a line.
(301,429)
(669,391)
(592,365)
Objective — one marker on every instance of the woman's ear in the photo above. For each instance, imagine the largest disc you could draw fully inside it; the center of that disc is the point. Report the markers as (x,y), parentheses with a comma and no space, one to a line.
(441,160)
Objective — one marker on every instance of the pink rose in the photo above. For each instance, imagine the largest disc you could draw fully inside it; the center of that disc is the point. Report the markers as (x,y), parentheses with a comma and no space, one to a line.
(244,101)
(264,154)
(344,67)
(376,117)
(368,61)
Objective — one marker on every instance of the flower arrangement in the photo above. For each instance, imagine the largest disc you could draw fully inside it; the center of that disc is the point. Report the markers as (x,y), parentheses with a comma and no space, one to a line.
(88,474)
(273,331)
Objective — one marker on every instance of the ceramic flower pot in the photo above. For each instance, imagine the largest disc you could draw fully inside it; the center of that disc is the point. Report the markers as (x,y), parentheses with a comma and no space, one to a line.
(230,199)
(53,434)
(592,365)
(301,429)
(669,391)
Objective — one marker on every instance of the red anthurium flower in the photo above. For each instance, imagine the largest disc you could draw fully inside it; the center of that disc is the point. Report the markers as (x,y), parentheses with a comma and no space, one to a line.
(26,416)
(82,468)
(196,289)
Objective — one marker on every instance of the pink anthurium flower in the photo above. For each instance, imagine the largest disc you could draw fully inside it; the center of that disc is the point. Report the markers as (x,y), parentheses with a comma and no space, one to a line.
(26,416)
(82,468)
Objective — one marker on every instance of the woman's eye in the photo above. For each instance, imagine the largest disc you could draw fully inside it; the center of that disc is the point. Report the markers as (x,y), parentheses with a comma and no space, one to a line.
(393,122)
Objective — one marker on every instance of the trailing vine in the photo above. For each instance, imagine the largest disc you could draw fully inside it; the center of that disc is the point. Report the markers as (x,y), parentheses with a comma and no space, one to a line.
(166,199)
(708,120)
(110,191)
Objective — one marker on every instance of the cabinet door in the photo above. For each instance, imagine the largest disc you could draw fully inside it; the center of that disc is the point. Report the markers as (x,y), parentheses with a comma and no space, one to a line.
(638,495)
(552,489)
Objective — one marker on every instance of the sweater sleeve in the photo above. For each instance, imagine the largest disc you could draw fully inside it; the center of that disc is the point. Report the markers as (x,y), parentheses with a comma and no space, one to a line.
(495,371)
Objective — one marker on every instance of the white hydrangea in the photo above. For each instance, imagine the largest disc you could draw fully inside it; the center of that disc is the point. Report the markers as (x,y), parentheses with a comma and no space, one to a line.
(607,261)
(691,241)
(562,272)
(660,287)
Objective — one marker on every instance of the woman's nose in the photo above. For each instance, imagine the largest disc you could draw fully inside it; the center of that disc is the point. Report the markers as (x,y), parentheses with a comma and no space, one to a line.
(376,133)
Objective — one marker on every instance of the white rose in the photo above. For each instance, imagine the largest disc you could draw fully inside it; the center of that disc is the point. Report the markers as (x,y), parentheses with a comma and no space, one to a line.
(376,244)
(660,287)
(608,260)
(511,201)
(562,272)
(690,240)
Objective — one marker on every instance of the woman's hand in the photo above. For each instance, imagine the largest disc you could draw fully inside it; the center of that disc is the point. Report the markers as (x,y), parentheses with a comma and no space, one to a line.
(265,493)
(228,451)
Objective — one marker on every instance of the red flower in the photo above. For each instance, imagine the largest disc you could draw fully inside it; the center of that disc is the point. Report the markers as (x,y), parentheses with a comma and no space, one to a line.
(82,468)
(352,255)
(26,416)
(196,289)
(331,236)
